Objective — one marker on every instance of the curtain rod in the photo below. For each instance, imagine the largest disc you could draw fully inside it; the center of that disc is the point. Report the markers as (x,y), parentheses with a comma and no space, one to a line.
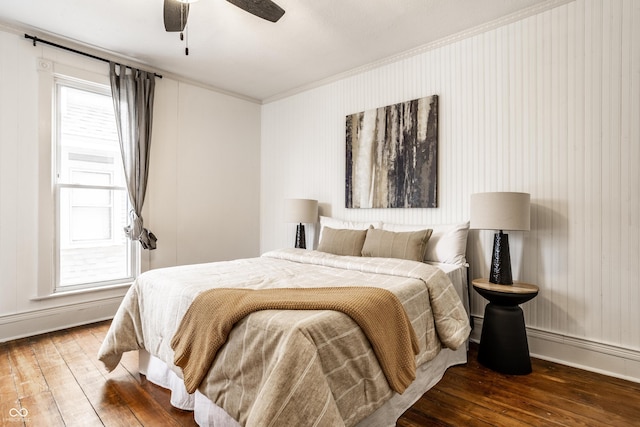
(79,52)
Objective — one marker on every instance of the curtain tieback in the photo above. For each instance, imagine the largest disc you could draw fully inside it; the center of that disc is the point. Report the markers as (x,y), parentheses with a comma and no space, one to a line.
(136,231)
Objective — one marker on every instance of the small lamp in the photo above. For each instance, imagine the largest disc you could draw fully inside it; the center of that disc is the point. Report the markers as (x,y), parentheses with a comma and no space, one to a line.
(301,211)
(500,211)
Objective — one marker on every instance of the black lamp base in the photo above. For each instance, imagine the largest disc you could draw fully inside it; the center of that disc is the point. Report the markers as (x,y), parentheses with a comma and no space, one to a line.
(300,237)
(501,260)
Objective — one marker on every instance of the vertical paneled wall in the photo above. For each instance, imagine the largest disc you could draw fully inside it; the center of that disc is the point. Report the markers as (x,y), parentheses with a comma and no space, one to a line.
(549,105)
(202,201)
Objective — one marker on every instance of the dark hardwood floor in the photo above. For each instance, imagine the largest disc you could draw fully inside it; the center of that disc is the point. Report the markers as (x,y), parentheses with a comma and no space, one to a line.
(55,380)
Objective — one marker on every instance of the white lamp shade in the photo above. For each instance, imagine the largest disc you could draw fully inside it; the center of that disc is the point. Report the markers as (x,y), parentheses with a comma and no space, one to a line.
(501,211)
(301,211)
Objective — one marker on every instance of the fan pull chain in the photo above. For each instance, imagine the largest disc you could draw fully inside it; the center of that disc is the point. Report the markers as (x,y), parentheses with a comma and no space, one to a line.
(186,42)
(185,25)
(185,38)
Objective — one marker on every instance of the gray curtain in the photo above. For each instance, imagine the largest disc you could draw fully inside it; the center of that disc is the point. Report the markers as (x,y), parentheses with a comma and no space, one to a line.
(132,92)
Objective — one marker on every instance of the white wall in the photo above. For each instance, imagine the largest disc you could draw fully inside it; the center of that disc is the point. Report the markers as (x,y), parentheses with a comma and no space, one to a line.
(549,105)
(202,197)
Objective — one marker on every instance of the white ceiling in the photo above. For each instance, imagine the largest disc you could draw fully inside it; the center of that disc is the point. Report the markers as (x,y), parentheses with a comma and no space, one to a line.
(234,51)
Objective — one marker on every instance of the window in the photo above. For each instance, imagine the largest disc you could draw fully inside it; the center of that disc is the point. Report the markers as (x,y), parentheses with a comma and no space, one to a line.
(90,195)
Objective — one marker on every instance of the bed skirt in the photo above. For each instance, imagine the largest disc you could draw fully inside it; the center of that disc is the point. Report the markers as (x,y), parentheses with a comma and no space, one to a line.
(206,413)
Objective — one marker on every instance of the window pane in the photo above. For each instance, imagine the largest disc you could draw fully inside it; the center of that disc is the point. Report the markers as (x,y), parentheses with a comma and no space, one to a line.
(90,197)
(92,243)
(88,138)
(93,264)
(90,178)
(90,223)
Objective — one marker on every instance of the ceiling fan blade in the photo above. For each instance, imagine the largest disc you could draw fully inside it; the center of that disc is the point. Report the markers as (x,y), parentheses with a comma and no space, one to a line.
(265,9)
(175,15)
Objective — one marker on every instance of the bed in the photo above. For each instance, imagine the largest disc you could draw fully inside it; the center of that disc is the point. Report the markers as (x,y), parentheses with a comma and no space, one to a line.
(295,367)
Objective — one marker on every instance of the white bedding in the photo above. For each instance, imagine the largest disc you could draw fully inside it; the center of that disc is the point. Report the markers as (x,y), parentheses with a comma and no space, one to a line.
(138,325)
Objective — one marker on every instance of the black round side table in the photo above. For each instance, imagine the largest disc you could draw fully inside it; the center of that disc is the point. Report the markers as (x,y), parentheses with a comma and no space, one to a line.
(503,343)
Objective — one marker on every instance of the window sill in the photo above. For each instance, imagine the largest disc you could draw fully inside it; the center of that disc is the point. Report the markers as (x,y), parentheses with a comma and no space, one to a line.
(61,294)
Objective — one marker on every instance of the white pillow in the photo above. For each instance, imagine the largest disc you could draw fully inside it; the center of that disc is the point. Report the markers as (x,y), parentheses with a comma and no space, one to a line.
(448,243)
(337,224)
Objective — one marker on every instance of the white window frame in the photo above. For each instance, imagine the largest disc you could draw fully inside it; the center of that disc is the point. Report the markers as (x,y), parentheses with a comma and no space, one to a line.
(48,225)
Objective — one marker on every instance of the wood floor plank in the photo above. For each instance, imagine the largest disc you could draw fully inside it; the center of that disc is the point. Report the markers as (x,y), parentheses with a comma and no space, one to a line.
(480,414)
(437,410)
(27,375)
(588,389)
(500,396)
(74,406)
(9,402)
(43,410)
(8,389)
(556,401)
(5,363)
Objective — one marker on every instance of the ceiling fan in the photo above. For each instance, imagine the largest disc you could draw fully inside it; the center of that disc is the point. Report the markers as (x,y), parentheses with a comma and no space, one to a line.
(177,11)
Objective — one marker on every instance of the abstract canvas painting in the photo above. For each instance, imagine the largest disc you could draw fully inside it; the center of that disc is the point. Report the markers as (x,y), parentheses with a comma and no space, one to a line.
(392,156)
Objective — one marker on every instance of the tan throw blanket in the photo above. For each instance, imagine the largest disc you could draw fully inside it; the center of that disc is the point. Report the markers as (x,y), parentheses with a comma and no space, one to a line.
(378,312)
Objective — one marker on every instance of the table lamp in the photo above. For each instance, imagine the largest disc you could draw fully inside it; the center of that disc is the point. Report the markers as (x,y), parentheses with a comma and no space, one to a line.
(301,211)
(500,211)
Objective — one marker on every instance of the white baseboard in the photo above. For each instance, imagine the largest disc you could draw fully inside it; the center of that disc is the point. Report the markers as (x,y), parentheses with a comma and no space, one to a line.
(36,322)
(577,352)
